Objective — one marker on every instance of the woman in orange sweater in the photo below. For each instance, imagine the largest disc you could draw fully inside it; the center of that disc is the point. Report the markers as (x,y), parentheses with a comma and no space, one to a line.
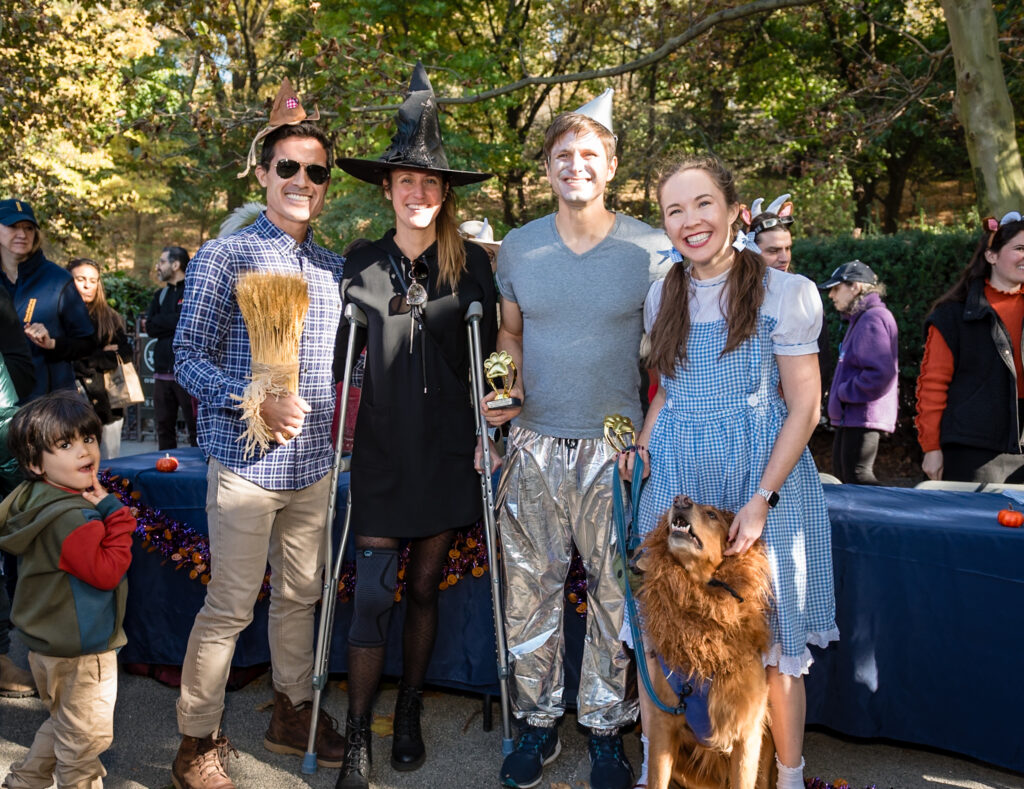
(970,394)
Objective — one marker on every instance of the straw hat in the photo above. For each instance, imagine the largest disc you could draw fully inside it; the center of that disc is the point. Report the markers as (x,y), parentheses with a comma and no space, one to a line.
(287,111)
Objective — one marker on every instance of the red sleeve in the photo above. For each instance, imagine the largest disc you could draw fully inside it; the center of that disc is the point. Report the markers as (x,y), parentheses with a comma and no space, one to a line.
(99,551)
(933,389)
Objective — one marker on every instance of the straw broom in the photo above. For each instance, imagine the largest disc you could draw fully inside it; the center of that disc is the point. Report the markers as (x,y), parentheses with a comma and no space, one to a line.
(274,308)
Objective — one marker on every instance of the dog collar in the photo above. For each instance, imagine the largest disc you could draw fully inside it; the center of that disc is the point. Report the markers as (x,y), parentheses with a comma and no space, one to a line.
(726,587)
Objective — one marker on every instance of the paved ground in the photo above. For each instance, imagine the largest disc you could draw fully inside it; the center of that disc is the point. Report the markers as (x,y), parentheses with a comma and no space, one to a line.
(460,753)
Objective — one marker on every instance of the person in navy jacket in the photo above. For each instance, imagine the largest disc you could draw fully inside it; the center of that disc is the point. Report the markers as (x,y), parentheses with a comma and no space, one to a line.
(56,319)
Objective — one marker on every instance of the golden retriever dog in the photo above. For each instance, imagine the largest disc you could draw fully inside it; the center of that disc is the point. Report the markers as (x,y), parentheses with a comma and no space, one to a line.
(706,615)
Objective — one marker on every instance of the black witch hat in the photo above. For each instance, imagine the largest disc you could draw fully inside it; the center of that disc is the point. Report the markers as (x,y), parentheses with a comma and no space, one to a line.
(417,143)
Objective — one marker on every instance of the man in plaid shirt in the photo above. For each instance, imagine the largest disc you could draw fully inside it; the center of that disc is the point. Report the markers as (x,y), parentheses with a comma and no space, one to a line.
(270,506)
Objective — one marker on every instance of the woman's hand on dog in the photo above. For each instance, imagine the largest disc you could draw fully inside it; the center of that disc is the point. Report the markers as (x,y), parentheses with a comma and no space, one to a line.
(747,525)
(627,461)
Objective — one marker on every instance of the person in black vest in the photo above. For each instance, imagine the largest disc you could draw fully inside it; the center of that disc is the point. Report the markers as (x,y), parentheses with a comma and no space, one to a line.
(161,322)
(970,394)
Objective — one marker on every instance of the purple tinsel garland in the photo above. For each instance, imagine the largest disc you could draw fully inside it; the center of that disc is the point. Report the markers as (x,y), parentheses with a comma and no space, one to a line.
(190,550)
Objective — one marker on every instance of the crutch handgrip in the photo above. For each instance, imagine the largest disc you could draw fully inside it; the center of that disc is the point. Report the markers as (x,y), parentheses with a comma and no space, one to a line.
(475,311)
(354,314)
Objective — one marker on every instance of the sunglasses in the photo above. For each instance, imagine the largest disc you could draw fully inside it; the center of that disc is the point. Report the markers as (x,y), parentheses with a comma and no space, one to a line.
(768,224)
(317,173)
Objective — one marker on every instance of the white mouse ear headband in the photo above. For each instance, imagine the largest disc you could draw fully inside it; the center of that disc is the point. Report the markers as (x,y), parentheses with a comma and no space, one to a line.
(779,213)
(991,226)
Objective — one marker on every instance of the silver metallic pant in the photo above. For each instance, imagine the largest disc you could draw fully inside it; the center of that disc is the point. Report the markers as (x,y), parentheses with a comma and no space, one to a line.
(555,492)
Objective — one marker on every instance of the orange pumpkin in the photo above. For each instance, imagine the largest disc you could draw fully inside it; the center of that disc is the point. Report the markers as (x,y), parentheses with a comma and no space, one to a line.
(167,463)
(1011,518)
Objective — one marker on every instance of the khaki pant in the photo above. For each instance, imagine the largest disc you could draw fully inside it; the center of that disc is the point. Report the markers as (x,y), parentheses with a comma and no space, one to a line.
(79,693)
(249,526)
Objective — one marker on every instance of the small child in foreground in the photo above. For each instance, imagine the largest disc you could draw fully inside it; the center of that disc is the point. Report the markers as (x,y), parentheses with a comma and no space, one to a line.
(73,542)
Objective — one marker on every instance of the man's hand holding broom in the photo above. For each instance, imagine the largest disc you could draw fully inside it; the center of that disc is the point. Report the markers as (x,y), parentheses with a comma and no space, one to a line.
(284,415)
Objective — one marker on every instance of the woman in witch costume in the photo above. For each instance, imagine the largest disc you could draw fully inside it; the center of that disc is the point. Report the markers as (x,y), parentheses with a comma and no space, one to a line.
(412,465)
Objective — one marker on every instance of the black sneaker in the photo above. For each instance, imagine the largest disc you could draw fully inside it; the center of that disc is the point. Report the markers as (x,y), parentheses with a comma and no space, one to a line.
(609,767)
(535,747)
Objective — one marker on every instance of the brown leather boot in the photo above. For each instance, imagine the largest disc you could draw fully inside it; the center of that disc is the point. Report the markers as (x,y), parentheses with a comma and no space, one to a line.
(15,682)
(288,732)
(201,763)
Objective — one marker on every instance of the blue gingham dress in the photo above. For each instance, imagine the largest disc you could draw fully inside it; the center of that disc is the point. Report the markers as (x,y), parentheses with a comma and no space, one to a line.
(713,438)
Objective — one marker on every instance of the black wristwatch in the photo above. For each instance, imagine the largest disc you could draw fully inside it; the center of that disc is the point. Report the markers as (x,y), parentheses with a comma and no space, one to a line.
(771,496)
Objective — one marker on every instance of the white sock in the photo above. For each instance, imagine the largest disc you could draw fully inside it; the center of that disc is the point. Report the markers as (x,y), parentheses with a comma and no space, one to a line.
(642,778)
(790,777)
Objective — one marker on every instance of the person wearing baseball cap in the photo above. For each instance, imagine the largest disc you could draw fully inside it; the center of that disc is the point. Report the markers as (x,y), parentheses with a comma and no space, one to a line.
(14,211)
(862,400)
(848,273)
(55,318)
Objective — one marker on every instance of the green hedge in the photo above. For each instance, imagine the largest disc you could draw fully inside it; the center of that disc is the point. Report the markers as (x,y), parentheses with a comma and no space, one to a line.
(916,266)
(126,294)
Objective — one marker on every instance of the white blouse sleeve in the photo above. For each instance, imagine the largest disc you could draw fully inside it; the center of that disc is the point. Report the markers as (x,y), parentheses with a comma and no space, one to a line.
(798,310)
(652,304)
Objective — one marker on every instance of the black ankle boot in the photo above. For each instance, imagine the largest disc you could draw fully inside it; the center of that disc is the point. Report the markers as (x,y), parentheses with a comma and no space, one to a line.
(355,770)
(407,751)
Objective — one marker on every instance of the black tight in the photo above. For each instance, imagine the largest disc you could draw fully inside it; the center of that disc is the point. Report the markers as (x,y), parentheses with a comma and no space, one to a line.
(853,455)
(422,577)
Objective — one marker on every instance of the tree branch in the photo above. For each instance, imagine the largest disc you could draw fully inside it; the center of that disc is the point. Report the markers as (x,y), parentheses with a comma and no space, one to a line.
(662,52)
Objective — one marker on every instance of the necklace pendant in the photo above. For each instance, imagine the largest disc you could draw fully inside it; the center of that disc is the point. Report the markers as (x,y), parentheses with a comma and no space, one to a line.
(416,296)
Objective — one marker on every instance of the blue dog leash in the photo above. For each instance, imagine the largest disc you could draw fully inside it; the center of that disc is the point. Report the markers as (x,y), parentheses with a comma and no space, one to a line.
(619,514)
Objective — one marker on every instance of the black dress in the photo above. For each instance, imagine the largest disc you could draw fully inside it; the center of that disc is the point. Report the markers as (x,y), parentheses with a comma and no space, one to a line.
(412,461)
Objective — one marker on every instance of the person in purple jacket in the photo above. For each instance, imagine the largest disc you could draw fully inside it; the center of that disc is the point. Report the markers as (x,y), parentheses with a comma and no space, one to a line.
(862,401)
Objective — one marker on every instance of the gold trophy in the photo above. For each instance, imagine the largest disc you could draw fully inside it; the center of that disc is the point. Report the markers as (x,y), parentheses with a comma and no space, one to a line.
(619,433)
(500,367)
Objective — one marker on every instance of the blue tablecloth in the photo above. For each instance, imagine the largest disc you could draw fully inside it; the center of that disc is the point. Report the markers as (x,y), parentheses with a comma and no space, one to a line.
(162,603)
(929,593)
(930,603)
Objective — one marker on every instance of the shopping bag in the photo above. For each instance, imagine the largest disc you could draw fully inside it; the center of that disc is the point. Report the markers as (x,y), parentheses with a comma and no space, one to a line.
(123,385)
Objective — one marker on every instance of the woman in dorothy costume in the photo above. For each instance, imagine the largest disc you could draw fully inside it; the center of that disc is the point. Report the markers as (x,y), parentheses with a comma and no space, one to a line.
(725,333)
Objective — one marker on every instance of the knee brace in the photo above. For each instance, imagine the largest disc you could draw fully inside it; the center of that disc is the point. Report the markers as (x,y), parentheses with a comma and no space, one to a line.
(376,571)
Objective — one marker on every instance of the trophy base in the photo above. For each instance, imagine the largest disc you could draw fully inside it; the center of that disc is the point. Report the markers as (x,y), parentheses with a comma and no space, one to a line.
(504,402)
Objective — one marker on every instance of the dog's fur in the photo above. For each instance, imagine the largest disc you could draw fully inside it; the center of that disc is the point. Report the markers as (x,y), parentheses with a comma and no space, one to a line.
(704,630)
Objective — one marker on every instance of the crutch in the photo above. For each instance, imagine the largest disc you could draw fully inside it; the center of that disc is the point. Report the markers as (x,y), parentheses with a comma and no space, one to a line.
(473,316)
(332,570)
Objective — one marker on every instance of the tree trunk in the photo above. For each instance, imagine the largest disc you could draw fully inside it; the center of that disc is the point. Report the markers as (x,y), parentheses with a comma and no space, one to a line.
(983,106)
(864,195)
(897,168)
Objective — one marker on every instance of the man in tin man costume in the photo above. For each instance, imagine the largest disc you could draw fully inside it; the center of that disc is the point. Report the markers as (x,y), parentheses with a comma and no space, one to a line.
(573,285)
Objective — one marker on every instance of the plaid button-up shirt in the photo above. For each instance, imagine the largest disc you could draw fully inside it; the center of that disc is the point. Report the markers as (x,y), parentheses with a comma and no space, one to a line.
(213,360)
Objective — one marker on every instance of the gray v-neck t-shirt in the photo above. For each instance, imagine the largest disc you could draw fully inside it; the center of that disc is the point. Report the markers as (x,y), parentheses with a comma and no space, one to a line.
(582,322)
